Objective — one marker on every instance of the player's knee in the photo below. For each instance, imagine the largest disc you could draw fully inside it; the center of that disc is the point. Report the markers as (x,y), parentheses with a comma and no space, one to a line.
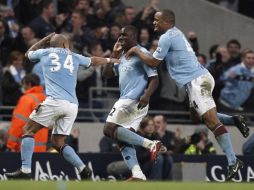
(28,130)
(109,130)
(57,143)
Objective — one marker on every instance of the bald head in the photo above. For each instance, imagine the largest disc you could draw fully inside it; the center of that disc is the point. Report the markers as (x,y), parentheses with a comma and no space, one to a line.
(59,40)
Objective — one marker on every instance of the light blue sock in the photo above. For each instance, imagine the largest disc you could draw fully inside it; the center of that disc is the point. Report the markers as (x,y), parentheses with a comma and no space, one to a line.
(129,156)
(127,136)
(226,119)
(27,149)
(70,155)
(225,144)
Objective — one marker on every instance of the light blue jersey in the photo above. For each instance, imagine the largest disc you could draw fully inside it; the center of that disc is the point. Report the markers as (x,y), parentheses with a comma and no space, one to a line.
(182,64)
(37,69)
(60,67)
(133,76)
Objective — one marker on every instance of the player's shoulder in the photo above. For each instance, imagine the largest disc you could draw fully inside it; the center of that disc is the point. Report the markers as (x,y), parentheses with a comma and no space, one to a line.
(171,33)
(41,51)
(144,50)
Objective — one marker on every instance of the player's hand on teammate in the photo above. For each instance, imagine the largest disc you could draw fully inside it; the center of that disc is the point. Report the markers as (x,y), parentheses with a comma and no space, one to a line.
(131,52)
(143,102)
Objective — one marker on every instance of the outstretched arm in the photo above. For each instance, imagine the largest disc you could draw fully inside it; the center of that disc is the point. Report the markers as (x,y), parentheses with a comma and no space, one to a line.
(40,44)
(96,61)
(147,59)
(152,86)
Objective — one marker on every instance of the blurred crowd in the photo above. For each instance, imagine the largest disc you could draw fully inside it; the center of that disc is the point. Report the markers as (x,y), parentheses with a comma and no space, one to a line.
(244,7)
(93,28)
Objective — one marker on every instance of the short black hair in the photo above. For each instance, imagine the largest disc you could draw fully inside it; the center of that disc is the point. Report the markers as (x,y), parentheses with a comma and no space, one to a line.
(234,41)
(44,4)
(32,79)
(133,29)
(212,50)
(81,13)
(168,16)
(203,56)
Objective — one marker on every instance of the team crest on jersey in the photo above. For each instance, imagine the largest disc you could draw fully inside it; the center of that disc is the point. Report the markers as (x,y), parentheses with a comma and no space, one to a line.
(158,49)
(126,68)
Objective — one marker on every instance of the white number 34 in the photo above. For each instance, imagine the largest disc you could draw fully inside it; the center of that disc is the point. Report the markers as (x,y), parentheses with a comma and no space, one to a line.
(56,65)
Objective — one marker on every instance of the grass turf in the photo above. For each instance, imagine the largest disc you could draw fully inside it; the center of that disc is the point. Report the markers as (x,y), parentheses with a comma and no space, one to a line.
(64,185)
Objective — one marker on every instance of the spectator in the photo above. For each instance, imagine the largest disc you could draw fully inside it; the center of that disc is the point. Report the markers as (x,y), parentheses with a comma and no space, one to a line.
(151,170)
(3,137)
(13,74)
(167,137)
(169,140)
(114,32)
(9,17)
(144,38)
(217,69)
(145,17)
(239,83)
(127,17)
(62,21)
(201,59)
(72,139)
(32,97)
(203,132)
(26,10)
(196,146)
(6,44)
(234,50)
(109,145)
(27,39)
(85,7)
(103,12)
(82,36)
(154,45)
(248,146)
(42,25)
(212,53)
(192,36)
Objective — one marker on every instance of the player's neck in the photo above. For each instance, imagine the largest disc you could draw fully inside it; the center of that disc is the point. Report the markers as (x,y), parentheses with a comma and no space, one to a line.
(167,28)
(131,45)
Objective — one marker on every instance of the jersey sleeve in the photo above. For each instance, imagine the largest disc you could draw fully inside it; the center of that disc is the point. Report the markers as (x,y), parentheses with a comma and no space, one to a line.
(36,55)
(85,61)
(163,47)
(150,71)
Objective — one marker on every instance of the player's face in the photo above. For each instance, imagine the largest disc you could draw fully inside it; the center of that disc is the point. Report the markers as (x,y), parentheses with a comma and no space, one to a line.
(158,22)
(125,38)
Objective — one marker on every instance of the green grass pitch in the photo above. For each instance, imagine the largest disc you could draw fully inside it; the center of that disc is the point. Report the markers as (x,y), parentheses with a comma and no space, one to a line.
(63,185)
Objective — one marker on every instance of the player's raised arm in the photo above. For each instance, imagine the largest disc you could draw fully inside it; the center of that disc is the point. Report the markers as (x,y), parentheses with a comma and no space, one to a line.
(147,59)
(108,68)
(40,44)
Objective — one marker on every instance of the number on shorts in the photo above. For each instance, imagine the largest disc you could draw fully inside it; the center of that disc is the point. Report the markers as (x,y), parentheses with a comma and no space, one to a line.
(113,110)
